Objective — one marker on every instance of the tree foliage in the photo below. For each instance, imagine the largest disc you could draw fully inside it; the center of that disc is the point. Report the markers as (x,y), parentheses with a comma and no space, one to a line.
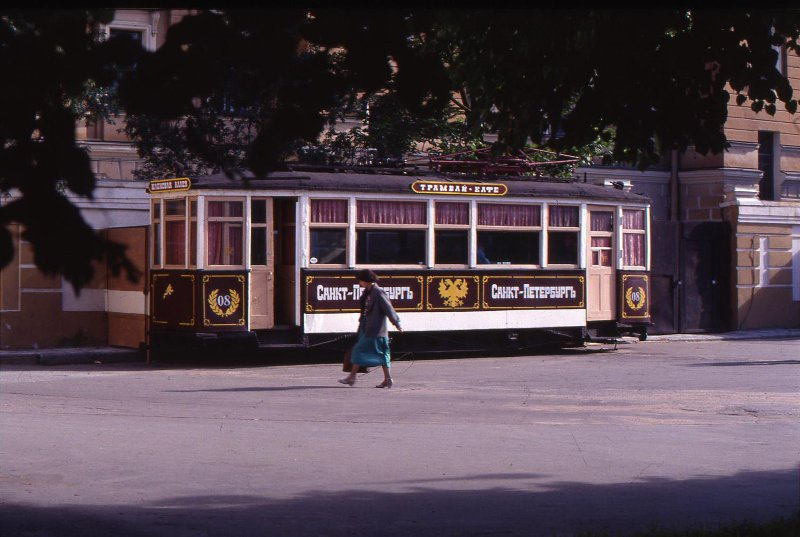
(243,89)
(54,71)
(557,79)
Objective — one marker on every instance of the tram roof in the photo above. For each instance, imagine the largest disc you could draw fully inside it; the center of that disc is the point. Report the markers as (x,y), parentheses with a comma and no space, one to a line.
(378,183)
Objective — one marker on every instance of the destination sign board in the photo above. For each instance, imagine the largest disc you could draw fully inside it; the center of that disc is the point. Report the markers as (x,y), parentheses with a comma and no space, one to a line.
(510,292)
(169,185)
(337,293)
(459,188)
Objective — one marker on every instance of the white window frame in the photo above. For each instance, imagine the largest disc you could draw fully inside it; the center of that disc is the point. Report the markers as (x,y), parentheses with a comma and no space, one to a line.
(546,222)
(165,218)
(148,31)
(449,227)
(540,229)
(359,226)
(343,226)
(645,232)
(243,219)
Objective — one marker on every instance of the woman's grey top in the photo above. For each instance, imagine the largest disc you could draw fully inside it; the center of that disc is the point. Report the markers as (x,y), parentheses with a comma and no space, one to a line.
(375,309)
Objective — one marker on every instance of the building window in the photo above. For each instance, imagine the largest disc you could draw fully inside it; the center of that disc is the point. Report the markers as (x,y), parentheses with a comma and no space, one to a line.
(391,232)
(451,233)
(137,36)
(563,235)
(328,234)
(225,232)
(175,232)
(508,234)
(766,164)
(633,237)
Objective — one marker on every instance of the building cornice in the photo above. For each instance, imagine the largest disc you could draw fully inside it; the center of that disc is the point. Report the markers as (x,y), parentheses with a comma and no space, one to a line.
(768,212)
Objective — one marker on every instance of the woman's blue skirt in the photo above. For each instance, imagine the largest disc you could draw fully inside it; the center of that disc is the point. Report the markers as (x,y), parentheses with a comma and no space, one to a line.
(371,351)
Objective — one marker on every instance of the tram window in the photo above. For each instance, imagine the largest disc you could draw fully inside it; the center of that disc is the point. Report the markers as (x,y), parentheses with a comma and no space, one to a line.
(633,238)
(328,246)
(258,246)
(175,232)
(562,247)
(512,245)
(328,234)
(225,232)
(452,214)
(601,251)
(602,221)
(192,232)
(193,243)
(452,247)
(451,234)
(562,235)
(156,233)
(507,215)
(258,211)
(175,242)
(329,211)
(390,247)
(508,247)
(156,243)
(396,213)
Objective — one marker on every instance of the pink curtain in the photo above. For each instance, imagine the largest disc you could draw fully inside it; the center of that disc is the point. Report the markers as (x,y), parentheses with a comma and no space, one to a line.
(234,245)
(175,241)
(215,243)
(232,209)
(633,249)
(216,208)
(329,211)
(392,212)
(602,221)
(632,219)
(563,216)
(156,243)
(175,207)
(193,243)
(509,215)
(452,213)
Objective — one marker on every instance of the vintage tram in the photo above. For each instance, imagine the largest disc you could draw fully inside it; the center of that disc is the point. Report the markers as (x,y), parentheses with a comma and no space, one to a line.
(467,262)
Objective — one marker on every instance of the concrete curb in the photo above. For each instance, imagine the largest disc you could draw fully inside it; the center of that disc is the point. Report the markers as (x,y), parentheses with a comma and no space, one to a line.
(772,333)
(72,356)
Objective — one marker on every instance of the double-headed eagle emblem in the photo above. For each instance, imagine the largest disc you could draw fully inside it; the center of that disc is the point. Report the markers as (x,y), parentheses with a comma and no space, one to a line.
(453,292)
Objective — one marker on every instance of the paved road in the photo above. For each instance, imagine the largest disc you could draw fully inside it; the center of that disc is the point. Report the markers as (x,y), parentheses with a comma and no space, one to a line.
(656,434)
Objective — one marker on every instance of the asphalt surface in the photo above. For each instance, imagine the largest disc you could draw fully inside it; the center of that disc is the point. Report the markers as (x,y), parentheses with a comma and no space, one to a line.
(654,435)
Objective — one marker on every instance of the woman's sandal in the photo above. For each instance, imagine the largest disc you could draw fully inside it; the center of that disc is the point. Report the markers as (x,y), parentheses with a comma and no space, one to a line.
(348,381)
(385,384)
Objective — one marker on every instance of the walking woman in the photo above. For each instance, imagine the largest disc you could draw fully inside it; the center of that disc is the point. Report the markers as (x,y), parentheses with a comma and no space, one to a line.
(372,344)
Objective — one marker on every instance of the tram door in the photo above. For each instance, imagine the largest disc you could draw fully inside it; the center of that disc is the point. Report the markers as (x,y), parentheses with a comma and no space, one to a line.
(262,264)
(601,270)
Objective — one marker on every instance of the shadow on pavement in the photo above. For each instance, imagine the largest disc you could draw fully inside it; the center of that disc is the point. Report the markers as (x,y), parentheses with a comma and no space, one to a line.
(752,363)
(526,507)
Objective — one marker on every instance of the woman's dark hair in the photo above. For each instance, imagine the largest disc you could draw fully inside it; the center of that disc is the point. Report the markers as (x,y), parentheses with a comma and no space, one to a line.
(366,275)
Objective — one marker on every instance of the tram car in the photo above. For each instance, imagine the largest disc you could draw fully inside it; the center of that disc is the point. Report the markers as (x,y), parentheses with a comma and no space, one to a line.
(467,262)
